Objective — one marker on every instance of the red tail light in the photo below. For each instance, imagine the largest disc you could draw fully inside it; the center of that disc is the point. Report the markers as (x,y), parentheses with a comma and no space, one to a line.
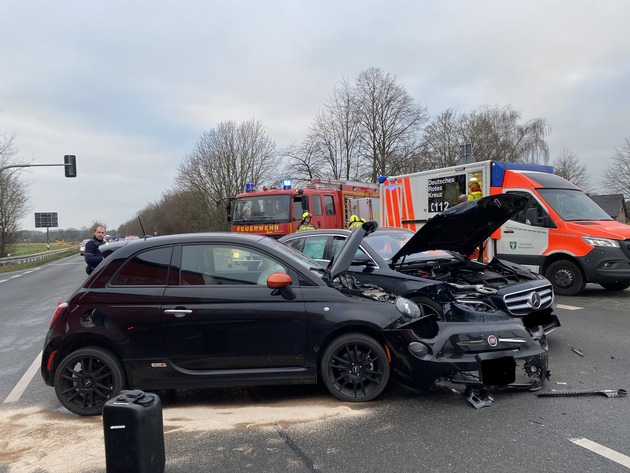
(60,307)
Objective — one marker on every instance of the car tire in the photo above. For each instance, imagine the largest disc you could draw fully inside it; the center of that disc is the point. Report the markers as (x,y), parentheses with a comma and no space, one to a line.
(566,277)
(615,286)
(86,378)
(429,307)
(355,368)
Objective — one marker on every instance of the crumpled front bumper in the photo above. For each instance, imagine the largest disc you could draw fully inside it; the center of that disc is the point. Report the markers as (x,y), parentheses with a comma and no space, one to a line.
(475,354)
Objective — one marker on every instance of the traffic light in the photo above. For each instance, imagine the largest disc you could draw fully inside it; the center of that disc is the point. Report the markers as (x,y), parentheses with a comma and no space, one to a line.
(70,165)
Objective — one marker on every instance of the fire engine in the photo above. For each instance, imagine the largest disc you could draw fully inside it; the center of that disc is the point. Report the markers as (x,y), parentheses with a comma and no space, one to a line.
(277,211)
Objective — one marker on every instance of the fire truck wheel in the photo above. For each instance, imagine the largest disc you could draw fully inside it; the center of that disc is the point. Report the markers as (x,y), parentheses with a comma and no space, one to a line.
(566,277)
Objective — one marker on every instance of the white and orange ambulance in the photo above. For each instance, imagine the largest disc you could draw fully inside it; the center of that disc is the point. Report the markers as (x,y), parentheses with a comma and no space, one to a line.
(561,233)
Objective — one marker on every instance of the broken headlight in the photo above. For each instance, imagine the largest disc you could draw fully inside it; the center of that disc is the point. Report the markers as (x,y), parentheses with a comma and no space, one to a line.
(408,307)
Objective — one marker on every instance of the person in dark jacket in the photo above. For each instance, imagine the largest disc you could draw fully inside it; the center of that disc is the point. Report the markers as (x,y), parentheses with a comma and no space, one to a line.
(92,255)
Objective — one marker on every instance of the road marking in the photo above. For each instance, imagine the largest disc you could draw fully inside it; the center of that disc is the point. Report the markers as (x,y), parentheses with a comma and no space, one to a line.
(21,386)
(569,307)
(21,274)
(603,451)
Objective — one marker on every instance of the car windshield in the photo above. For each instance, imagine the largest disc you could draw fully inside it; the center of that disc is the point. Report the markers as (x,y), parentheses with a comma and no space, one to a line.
(298,258)
(572,204)
(263,208)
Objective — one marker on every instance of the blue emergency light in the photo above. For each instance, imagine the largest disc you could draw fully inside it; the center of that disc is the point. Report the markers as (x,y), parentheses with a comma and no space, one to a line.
(286,183)
(249,187)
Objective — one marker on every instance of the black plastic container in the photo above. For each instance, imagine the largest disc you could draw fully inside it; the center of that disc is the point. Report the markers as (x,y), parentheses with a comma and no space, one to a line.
(134,433)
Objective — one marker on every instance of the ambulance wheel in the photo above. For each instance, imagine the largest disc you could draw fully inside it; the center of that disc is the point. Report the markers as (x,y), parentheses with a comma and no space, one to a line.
(615,286)
(566,277)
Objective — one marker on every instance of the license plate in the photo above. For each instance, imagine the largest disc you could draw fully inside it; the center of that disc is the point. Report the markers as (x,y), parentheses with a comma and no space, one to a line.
(498,371)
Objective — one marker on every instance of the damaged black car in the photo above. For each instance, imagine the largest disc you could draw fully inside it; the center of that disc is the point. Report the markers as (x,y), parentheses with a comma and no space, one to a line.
(433,267)
(220,310)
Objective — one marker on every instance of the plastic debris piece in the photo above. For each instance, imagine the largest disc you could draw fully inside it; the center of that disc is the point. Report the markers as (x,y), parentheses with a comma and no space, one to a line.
(577,351)
(478,397)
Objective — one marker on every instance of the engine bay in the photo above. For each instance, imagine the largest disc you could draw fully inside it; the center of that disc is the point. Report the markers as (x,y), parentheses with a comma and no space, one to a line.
(462,271)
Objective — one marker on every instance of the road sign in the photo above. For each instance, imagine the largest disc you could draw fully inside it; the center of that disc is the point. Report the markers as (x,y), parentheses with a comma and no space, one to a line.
(46,219)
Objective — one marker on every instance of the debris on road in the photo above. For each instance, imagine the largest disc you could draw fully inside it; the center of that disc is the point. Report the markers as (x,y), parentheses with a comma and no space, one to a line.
(603,392)
(577,351)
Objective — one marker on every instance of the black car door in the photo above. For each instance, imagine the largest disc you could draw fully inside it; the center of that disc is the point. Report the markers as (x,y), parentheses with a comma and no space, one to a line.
(221,315)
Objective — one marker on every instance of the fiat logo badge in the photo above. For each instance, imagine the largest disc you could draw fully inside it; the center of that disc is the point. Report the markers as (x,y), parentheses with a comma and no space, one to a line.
(493,341)
(534,300)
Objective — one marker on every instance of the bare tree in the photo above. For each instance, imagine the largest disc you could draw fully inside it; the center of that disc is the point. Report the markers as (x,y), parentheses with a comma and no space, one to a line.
(441,142)
(177,211)
(568,165)
(14,201)
(304,164)
(223,161)
(390,123)
(333,137)
(616,175)
(495,133)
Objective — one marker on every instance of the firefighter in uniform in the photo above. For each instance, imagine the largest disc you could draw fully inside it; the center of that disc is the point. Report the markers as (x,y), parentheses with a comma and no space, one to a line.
(475,191)
(306,225)
(355,222)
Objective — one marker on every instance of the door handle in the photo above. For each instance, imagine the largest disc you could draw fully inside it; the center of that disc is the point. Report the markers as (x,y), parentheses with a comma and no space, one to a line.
(508,231)
(178,312)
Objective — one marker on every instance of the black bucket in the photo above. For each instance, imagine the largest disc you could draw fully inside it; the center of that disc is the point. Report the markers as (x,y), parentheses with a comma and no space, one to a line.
(134,433)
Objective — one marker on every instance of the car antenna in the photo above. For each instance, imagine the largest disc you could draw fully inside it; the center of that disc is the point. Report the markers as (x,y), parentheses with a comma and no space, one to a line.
(144,234)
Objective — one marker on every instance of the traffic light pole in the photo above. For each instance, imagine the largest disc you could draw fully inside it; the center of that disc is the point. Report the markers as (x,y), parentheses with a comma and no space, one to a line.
(69,164)
(27,166)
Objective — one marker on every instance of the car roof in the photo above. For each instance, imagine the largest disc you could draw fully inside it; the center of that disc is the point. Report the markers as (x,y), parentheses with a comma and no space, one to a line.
(343,231)
(123,247)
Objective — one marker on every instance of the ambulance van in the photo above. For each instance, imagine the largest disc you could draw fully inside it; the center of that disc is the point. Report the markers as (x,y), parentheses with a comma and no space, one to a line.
(560,233)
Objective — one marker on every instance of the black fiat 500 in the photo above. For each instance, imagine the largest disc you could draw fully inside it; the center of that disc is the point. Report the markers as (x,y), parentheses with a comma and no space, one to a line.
(220,310)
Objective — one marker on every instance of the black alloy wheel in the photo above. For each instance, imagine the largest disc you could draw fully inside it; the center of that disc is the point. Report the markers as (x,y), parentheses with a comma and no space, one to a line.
(87,378)
(354,368)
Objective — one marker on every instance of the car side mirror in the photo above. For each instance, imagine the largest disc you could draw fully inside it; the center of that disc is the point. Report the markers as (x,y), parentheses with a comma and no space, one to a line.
(362,260)
(281,284)
(228,209)
(278,280)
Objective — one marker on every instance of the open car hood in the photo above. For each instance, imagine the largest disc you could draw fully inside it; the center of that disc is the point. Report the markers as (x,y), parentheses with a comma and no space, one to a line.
(341,262)
(464,227)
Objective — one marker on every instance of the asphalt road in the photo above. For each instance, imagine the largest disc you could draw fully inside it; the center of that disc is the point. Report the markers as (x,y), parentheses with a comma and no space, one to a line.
(304,429)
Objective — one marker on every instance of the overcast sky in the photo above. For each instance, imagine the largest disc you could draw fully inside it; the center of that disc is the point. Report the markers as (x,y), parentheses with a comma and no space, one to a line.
(130,86)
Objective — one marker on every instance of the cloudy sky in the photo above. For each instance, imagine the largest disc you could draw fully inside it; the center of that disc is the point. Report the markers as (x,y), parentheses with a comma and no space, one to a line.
(129,86)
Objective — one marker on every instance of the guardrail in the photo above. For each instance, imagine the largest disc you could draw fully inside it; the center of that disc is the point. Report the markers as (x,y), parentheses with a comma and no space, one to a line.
(33,258)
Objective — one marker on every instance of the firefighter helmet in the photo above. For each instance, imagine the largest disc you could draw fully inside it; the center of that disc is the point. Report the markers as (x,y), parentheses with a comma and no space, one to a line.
(306,214)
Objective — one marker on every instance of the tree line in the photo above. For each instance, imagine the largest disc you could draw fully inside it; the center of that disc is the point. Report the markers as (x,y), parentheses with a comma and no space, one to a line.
(364,129)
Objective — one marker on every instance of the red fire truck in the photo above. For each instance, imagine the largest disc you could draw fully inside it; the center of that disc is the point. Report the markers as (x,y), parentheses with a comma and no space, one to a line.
(278,211)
